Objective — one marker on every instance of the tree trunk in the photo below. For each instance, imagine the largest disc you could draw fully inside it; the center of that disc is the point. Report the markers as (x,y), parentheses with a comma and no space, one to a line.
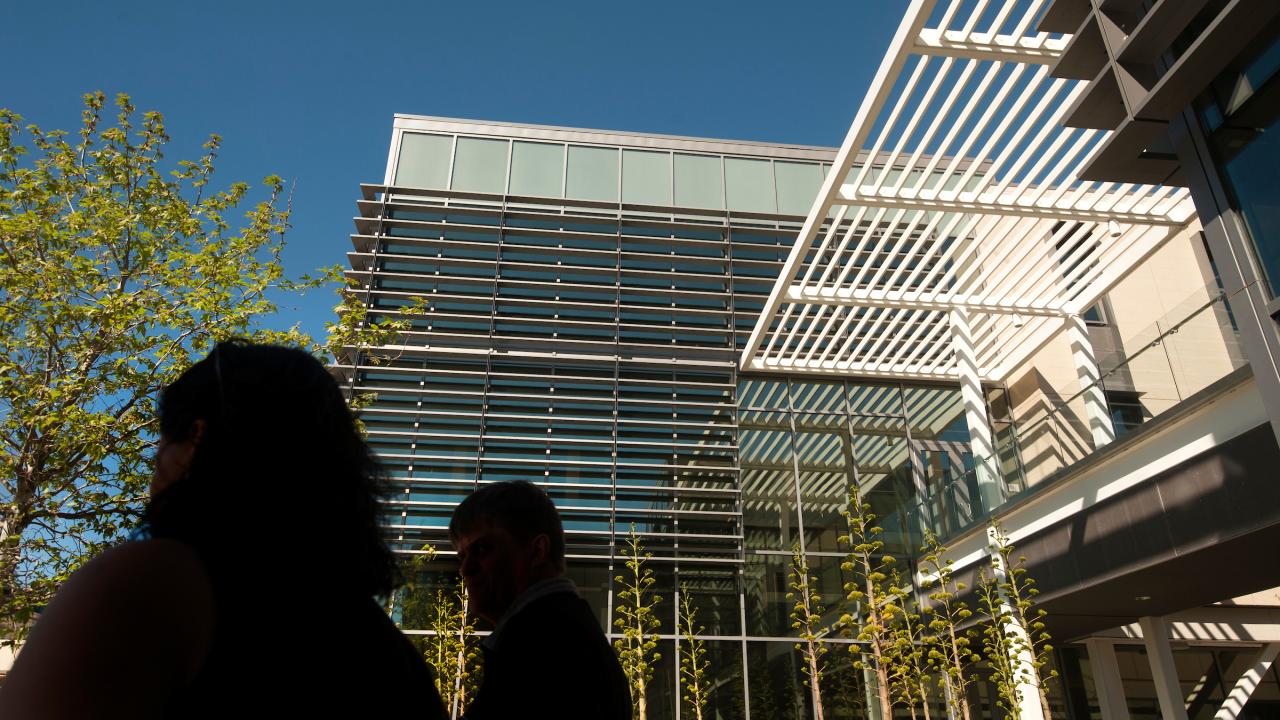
(882,688)
(814,692)
(958,664)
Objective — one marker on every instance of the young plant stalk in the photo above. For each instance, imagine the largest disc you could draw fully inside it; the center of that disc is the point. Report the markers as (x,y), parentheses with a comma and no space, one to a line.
(806,620)
(634,615)
(693,663)
(908,662)
(951,654)
(1015,640)
(871,593)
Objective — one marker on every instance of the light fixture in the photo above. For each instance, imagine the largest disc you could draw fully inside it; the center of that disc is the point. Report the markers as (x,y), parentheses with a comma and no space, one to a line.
(1113,228)
(1018,321)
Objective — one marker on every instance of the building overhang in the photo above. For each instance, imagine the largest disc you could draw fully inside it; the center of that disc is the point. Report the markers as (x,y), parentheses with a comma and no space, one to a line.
(974,203)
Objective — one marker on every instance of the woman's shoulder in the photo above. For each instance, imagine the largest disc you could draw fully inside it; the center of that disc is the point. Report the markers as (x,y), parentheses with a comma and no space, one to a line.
(140,614)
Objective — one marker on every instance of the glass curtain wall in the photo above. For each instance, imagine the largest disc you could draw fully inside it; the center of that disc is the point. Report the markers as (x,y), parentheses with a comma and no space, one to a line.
(576,316)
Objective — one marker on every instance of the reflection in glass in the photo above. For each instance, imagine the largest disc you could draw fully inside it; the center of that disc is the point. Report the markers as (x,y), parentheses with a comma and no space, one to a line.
(748,185)
(536,169)
(646,177)
(592,174)
(424,160)
(480,165)
(698,181)
(798,185)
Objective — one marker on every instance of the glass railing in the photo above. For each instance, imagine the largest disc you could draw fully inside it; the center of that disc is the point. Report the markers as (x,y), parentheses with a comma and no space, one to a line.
(1142,377)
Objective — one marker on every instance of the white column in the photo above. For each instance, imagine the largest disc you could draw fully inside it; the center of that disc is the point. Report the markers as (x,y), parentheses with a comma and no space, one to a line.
(1155,635)
(1106,679)
(975,411)
(1029,707)
(1095,399)
(1245,686)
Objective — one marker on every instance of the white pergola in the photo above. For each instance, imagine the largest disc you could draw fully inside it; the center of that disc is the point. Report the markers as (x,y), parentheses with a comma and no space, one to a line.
(953,237)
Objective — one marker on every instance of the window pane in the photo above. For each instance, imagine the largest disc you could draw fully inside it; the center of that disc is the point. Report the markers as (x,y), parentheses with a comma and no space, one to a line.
(593,174)
(424,160)
(749,185)
(646,177)
(798,185)
(480,166)
(698,181)
(536,169)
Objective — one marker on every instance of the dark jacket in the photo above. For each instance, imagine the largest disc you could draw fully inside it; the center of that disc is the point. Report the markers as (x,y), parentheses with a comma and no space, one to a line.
(551,660)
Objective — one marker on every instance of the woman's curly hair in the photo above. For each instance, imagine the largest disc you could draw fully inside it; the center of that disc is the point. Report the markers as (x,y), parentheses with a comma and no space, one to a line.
(281,480)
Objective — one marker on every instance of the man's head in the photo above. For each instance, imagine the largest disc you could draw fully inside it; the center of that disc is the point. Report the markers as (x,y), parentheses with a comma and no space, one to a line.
(508,536)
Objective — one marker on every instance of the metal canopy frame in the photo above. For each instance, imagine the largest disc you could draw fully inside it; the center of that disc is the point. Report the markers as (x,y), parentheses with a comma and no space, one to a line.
(957,190)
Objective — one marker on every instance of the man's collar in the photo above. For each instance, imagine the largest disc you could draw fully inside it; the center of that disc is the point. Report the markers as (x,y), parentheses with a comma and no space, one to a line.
(536,591)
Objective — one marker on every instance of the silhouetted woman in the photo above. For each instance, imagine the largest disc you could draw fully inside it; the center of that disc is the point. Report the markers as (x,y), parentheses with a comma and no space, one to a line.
(253,593)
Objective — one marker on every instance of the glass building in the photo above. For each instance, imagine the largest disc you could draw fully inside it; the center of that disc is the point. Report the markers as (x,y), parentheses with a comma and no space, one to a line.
(579,301)
(1003,298)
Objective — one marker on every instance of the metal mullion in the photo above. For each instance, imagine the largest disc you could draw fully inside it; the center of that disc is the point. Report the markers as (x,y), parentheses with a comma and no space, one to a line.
(826,330)
(830,233)
(935,83)
(892,328)
(1051,123)
(974,98)
(921,245)
(493,320)
(835,337)
(984,246)
(1079,247)
(1046,155)
(911,343)
(963,80)
(890,122)
(937,328)
(863,237)
(1038,254)
(924,248)
(902,236)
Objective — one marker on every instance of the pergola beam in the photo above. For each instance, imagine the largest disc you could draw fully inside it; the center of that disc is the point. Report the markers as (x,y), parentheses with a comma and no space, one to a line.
(901,300)
(1040,49)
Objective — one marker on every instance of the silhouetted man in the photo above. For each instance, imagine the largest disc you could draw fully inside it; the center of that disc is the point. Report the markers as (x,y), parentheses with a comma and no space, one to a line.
(547,656)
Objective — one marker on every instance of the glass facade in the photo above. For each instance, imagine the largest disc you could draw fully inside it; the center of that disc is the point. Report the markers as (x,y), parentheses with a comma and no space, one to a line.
(1241,114)
(582,311)
(578,311)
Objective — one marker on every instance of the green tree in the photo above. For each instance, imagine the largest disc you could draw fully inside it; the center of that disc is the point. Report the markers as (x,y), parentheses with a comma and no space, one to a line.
(806,620)
(1014,626)
(115,274)
(634,615)
(694,681)
(871,592)
(951,653)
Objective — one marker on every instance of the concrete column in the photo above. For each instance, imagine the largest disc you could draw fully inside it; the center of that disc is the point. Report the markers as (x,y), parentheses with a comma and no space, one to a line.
(1245,686)
(975,412)
(1095,399)
(1106,679)
(1029,707)
(1155,635)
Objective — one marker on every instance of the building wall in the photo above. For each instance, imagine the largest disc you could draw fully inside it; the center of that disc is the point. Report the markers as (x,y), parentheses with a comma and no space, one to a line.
(1162,339)
(578,302)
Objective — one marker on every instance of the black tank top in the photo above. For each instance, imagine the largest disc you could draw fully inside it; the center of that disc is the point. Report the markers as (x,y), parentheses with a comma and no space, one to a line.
(305,649)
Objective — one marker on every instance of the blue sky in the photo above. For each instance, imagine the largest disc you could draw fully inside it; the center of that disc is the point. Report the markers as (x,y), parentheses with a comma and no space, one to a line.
(307,90)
